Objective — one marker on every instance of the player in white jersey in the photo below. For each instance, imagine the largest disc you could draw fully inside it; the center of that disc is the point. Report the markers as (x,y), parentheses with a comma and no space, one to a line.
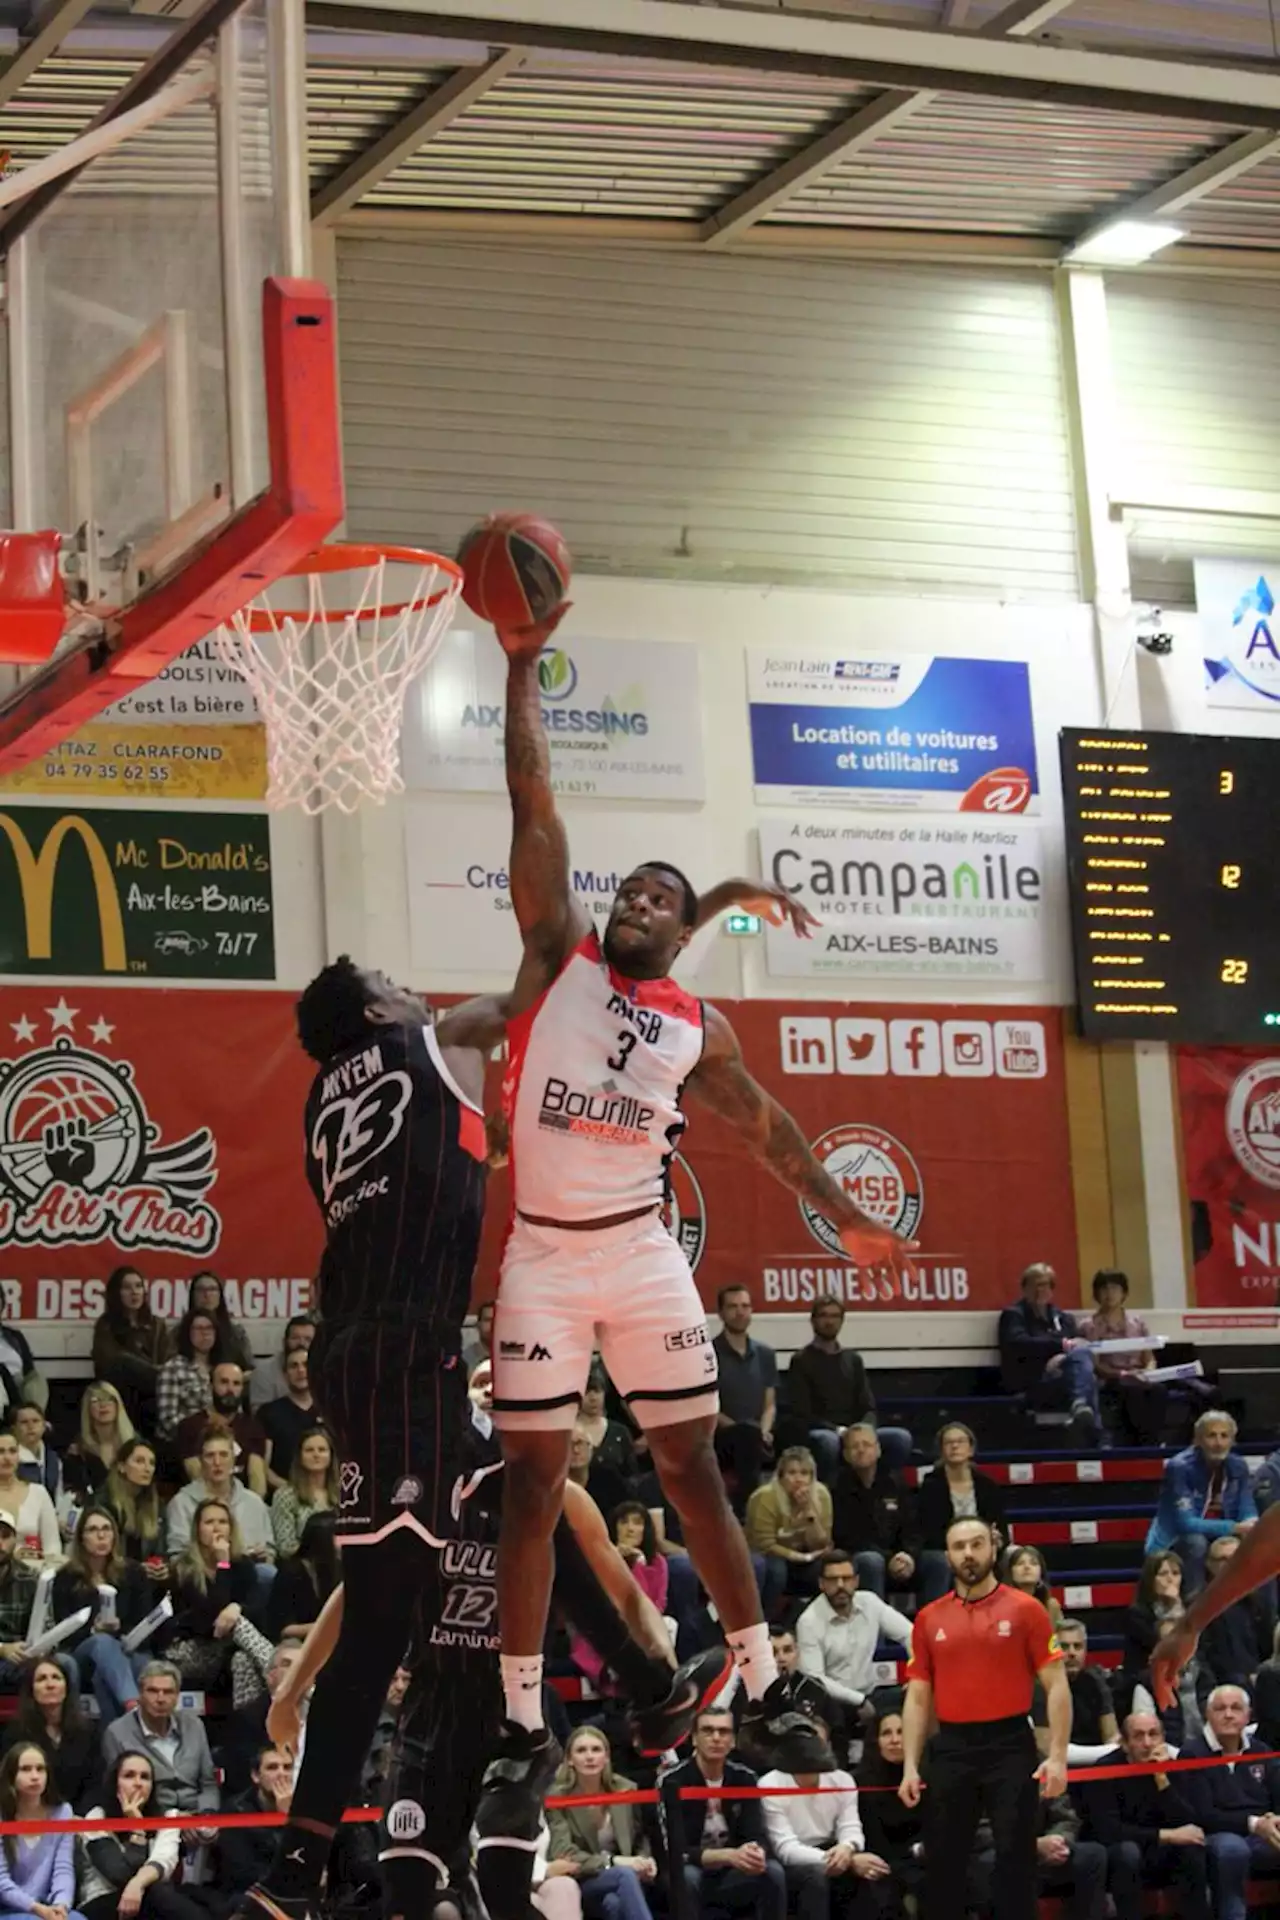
(603,1046)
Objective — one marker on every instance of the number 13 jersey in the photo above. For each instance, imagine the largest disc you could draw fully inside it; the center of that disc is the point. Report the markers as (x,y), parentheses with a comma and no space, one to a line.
(592,1089)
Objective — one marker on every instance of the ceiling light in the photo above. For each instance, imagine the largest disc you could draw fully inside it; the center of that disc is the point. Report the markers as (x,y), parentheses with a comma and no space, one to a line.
(1124,243)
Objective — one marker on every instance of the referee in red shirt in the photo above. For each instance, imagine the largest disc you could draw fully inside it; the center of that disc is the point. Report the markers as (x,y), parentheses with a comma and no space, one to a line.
(975,1657)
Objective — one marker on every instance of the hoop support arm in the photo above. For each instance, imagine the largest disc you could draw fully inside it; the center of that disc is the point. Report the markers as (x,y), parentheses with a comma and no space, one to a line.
(299,508)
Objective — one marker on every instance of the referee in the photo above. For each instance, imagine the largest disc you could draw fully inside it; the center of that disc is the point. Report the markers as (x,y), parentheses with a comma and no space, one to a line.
(975,1657)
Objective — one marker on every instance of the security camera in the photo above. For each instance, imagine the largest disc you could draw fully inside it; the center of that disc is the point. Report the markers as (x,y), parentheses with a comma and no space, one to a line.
(1153,636)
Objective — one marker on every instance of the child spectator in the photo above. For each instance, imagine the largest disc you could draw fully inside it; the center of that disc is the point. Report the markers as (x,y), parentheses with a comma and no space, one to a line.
(37,1871)
(43,1468)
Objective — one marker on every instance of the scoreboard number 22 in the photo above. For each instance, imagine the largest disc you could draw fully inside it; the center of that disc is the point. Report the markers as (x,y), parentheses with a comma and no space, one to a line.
(1235,972)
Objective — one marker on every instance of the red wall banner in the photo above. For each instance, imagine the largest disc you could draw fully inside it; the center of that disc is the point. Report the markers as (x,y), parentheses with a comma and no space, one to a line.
(159,1128)
(948,1122)
(1229,1099)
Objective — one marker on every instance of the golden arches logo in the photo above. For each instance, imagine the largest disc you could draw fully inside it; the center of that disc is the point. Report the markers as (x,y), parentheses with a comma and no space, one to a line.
(37,873)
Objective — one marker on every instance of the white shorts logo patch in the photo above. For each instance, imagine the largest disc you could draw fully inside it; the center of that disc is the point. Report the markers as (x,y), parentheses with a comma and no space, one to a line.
(407,1494)
(406,1820)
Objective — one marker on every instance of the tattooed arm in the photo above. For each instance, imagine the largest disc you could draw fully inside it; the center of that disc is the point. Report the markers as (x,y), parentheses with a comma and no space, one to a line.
(552,920)
(721,1082)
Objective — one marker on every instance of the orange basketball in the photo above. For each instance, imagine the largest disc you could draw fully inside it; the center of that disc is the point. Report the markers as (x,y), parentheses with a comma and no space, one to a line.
(515,569)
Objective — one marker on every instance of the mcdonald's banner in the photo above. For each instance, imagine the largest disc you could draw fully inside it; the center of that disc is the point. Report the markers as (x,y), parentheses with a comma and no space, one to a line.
(158,1127)
(1229,1106)
(130,891)
(947,1123)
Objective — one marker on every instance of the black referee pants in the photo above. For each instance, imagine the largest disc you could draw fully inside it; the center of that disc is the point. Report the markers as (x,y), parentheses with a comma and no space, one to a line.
(975,1768)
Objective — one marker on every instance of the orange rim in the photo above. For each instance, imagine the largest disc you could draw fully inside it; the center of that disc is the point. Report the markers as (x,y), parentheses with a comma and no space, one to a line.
(347,558)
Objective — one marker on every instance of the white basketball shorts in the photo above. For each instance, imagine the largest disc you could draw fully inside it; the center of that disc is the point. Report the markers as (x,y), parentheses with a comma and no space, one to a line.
(626,1289)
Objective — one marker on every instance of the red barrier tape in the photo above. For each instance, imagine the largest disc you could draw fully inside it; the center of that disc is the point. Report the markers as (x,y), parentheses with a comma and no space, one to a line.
(634,1797)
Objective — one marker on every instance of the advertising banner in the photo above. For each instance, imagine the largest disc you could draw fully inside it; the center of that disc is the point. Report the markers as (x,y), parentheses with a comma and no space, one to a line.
(1229,1100)
(192,733)
(624,718)
(123,890)
(160,1128)
(912,731)
(1239,633)
(925,1118)
(958,900)
(460,913)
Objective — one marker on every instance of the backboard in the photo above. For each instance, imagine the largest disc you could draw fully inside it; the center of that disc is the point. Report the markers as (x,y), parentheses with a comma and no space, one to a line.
(171,388)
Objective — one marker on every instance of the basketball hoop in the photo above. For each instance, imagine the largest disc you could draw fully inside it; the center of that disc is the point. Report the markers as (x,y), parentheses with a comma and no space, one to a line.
(331,679)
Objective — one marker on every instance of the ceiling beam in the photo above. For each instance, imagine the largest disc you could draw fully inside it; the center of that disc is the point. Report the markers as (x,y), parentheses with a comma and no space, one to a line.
(859,51)
(839,143)
(45,37)
(954,13)
(436,110)
(1023,17)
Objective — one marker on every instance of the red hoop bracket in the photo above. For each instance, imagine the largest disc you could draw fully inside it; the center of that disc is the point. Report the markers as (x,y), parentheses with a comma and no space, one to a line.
(268,537)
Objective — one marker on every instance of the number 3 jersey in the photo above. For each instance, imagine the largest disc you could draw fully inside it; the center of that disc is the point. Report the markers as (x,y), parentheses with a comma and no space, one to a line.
(396,1160)
(592,1089)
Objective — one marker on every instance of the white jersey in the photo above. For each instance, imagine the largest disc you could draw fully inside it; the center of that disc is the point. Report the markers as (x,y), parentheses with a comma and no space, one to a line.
(592,1089)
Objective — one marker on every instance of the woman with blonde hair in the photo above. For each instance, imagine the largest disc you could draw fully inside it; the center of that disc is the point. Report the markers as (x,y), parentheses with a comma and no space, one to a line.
(105,1427)
(602,1846)
(214,1584)
(789,1523)
(312,1487)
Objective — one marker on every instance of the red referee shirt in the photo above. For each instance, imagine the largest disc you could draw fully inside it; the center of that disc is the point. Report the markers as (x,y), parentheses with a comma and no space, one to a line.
(981,1657)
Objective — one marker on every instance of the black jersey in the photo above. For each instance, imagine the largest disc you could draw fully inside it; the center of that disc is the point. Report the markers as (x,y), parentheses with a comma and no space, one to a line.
(396,1160)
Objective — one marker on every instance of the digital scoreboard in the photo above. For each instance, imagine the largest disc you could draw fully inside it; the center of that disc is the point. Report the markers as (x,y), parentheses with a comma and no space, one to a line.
(1173,857)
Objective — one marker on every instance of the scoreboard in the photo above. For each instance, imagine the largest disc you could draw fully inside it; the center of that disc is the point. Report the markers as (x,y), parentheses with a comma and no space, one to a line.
(1173,859)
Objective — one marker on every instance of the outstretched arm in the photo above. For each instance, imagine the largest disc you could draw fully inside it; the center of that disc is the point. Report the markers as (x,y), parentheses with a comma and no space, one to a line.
(551,919)
(774,904)
(721,1081)
(1256,1560)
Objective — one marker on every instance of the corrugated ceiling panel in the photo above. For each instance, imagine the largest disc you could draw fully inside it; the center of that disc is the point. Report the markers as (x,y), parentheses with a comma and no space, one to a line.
(1244,213)
(993,166)
(348,108)
(57,103)
(707,418)
(1197,373)
(632,142)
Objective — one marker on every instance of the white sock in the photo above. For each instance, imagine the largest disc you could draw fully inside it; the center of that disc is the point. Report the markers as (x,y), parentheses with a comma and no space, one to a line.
(753,1656)
(522,1688)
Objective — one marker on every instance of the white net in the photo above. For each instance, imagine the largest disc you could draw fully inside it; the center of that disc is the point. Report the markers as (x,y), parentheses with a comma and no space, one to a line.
(330,653)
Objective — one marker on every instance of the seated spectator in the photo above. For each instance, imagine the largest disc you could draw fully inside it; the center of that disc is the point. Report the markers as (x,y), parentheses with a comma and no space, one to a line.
(748,1397)
(610,1858)
(838,1633)
(377,1764)
(874,1516)
(37,1873)
(1025,1569)
(1204,1492)
(828,1389)
(605,1485)
(37,1462)
(19,1377)
(1147,1825)
(209,1295)
(124,1874)
(185,1382)
(267,1383)
(805,1694)
(29,1508)
(1043,1357)
(129,1344)
(1235,1645)
(1065,1864)
(1238,1806)
(1183,1718)
(245,1854)
(118,1597)
(1094,1729)
(727,1868)
(218,1482)
(284,1420)
(105,1427)
(957,1490)
(789,1523)
(129,1496)
(50,1717)
(304,1582)
(1266,1698)
(481,1348)
(213,1587)
(230,1413)
(634,1537)
(173,1739)
(312,1488)
(890,1828)
(17,1597)
(1159,1597)
(614,1450)
(1141,1402)
(244,1733)
(821,1844)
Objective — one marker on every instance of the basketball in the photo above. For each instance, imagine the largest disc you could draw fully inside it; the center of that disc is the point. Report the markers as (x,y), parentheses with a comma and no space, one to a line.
(515,569)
